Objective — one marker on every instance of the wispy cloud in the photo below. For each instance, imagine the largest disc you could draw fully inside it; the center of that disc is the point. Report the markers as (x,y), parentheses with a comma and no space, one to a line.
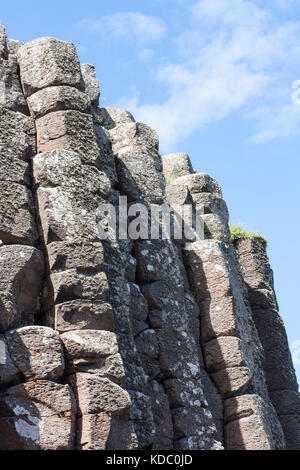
(146,54)
(234,54)
(131,25)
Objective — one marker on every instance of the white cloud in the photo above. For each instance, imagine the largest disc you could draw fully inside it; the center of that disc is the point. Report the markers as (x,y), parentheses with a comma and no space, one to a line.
(131,25)
(277,122)
(234,55)
(146,54)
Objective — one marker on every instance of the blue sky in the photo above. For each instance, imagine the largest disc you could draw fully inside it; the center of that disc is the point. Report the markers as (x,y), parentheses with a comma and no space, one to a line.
(214,77)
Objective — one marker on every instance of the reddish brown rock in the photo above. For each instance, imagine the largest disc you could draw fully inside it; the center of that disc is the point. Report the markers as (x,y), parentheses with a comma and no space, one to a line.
(83,315)
(247,426)
(93,431)
(223,352)
(78,254)
(68,130)
(217,318)
(74,284)
(231,380)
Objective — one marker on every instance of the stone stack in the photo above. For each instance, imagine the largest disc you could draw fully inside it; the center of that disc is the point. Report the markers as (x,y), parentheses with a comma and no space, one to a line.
(36,412)
(278,366)
(111,342)
(232,349)
(165,332)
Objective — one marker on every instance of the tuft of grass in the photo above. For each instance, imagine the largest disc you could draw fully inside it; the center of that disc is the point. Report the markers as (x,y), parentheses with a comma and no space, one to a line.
(238,232)
(169,180)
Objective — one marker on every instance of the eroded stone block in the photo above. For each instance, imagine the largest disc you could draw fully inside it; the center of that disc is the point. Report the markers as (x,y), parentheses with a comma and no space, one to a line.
(83,315)
(22,270)
(37,415)
(46,62)
(37,352)
(176,165)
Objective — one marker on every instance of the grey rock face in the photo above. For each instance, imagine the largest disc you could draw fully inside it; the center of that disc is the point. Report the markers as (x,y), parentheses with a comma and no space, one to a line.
(11,95)
(58,98)
(278,366)
(37,352)
(140,179)
(3,41)
(17,135)
(91,83)
(22,269)
(155,338)
(37,415)
(176,165)
(8,371)
(17,224)
(115,116)
(48,62)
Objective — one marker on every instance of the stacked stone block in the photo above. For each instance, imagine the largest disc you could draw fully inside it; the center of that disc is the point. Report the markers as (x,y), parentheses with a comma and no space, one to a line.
(232,350)
(277,364)
(69,187)
(119,343)
(168,350)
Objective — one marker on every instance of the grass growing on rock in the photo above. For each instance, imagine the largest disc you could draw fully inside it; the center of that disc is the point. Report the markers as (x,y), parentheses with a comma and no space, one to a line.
(169,180)
(238,232)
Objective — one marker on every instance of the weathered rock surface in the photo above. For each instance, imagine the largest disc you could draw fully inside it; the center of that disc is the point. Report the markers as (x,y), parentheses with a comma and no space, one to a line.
(91,83)
(246,424)
(8,371)
(165,344)
(278,366)
(58,98)
(176,165)
(68,130)
(37,415)
(22,269)
(48,62)
(85,315)
(37,352)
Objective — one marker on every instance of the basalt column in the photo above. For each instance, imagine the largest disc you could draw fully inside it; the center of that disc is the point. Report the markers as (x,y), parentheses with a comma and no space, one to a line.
(278,366)
(70,186)
(230,343)
(166,344)
(36,410)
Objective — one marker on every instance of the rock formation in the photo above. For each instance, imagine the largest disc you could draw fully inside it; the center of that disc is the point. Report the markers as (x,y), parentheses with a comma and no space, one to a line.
(119,343)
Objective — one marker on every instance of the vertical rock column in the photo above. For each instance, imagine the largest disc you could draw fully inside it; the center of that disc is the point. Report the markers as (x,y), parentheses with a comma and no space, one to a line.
(278,366)
(166,345)
(36,412)
(70,187)
(131,312)
(230,343)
